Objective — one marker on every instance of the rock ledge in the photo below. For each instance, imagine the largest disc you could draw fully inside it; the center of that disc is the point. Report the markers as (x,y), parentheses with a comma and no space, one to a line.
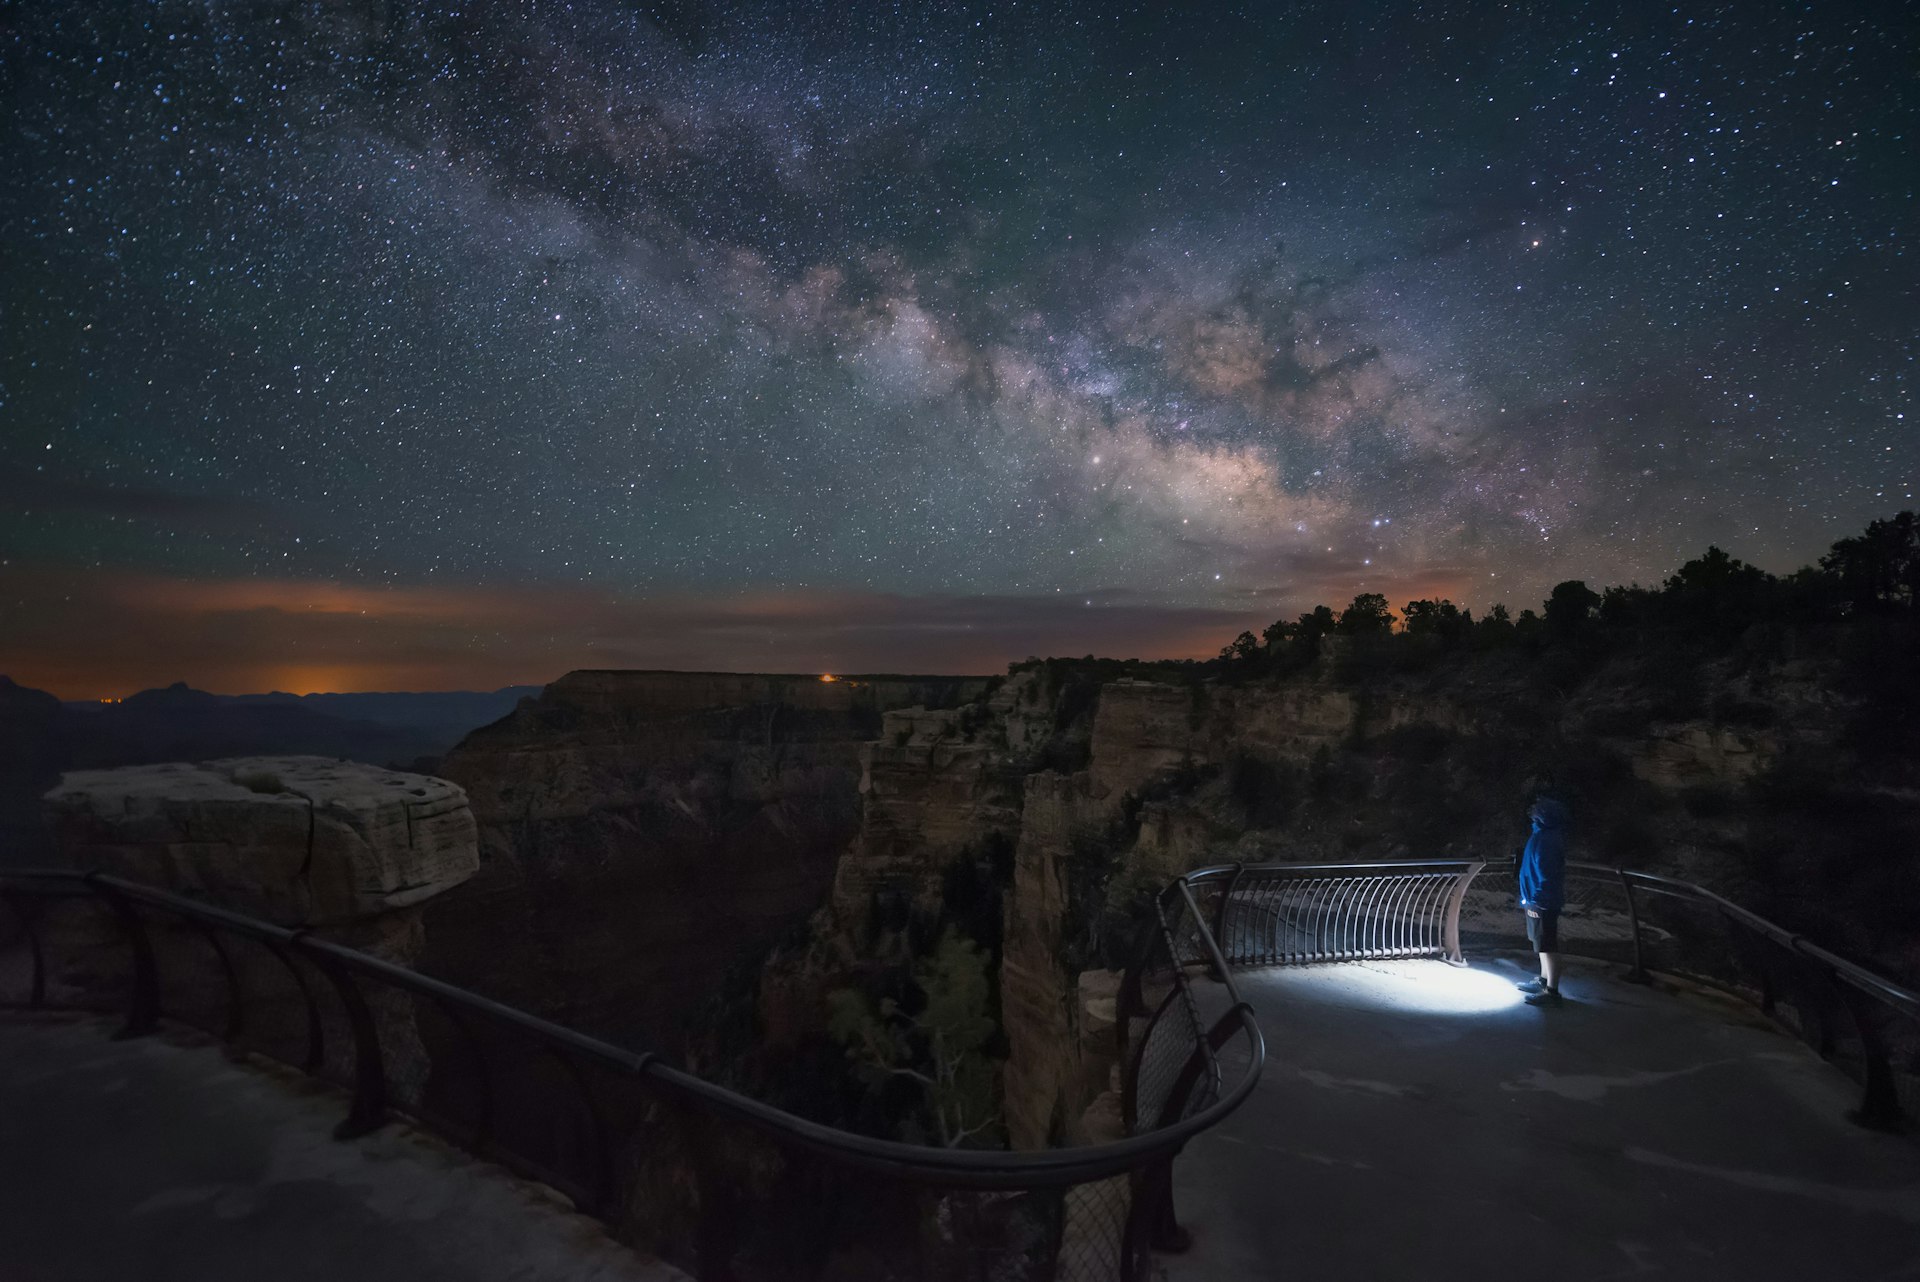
(299,840)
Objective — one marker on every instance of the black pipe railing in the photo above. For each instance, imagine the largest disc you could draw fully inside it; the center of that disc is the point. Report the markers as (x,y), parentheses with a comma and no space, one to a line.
(1094,1210)
(1107,1204)
(1293,914)
(1863,1022)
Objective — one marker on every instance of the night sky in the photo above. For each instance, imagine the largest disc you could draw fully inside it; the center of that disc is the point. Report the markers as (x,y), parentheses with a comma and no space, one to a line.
(351,346)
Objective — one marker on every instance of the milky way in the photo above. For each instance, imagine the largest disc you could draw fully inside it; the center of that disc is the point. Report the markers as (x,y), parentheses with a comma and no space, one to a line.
(1180,317)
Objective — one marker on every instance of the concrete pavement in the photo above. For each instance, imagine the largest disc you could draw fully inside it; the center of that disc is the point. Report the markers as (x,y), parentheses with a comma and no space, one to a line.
(157,1160)
(1417,1121)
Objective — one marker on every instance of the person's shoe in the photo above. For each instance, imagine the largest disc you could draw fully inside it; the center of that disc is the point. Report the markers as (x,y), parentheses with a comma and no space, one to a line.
(1545,997)
(1534,985)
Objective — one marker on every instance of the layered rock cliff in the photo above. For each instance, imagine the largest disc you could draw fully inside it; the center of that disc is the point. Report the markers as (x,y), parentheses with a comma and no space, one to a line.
(303,841)
(348,852)
(1105,783)
(710,864)
(666,850)
(642,834)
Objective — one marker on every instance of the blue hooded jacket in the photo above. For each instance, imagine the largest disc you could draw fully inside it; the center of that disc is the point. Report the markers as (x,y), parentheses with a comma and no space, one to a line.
(1543,864)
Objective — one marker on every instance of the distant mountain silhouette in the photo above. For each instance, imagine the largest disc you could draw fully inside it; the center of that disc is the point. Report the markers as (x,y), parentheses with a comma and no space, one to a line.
(444,716)
(41,737)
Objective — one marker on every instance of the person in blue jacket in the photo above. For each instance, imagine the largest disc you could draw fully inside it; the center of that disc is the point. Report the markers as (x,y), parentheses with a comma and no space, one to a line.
(1543,881)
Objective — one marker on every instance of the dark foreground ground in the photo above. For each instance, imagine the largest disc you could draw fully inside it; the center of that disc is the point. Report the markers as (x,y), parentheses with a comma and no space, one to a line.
(156,1159)
(1417,1121)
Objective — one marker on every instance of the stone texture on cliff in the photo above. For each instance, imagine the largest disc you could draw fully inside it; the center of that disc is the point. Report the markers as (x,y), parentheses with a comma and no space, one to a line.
(1047,1084)
(347,850)
(1143,732)
(311,841)
(643,834)
(932,790)
(1143,729)
(1698,753)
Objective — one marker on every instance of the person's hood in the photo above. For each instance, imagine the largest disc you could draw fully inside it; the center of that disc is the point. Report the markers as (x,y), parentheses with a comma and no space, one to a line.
(1549,813)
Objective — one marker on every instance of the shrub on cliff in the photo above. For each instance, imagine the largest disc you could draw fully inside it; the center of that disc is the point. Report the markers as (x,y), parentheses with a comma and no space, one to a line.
(938,1037)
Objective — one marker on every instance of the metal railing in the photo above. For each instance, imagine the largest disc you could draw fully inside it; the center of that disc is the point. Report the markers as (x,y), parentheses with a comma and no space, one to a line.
(1862,1022)
(1294,914)
(676,1164)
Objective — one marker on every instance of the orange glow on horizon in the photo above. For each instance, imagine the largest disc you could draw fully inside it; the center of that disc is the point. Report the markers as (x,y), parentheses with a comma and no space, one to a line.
(327,680)
(107,635)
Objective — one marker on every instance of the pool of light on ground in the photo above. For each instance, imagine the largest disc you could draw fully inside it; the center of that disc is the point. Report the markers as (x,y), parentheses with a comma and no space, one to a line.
(1420,985)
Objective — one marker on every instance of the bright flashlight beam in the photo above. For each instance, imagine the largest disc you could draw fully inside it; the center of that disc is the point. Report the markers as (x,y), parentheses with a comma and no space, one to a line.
(1422,986)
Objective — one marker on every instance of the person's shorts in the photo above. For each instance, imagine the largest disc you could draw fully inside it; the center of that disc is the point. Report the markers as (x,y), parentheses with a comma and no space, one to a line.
(1543,932)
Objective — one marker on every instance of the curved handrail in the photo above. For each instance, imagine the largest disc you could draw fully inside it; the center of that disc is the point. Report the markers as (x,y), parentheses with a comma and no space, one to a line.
(1872,1003)
(1904,1000)
(961,1168)
(1397,908)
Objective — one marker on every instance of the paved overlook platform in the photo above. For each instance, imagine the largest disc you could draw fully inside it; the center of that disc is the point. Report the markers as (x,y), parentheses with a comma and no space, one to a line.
(1414,1121)
(157,1160)
(1418,1121)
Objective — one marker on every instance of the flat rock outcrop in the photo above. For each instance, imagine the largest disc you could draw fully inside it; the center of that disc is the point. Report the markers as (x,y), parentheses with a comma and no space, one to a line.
(347,850)
(298,840)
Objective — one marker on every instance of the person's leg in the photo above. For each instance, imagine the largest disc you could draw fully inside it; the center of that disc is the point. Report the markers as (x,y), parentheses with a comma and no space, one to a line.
(1532,923)
(1549,946)
(1545,932)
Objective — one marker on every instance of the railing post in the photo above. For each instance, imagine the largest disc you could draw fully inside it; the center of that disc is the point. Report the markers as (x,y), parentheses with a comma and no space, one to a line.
(1157,1225)
(368,1113)
(483,1075)
(316,1031)
(1879,1102)
(1450,925)
(30,926)
(1152,1215)
(236,1004)
(600,1159)
(1131,1000)
(143,1004)
(1637,973)
(716,1223)
(1220,914)
(1153,1189)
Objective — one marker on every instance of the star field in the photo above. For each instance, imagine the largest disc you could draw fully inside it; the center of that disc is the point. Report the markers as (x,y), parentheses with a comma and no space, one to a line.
(1029,305)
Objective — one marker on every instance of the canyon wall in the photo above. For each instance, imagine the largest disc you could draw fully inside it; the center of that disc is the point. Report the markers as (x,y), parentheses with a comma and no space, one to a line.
(1031,820)
(1097,840)
(642,834)
(1105,793)
(664,853)
(712,864)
